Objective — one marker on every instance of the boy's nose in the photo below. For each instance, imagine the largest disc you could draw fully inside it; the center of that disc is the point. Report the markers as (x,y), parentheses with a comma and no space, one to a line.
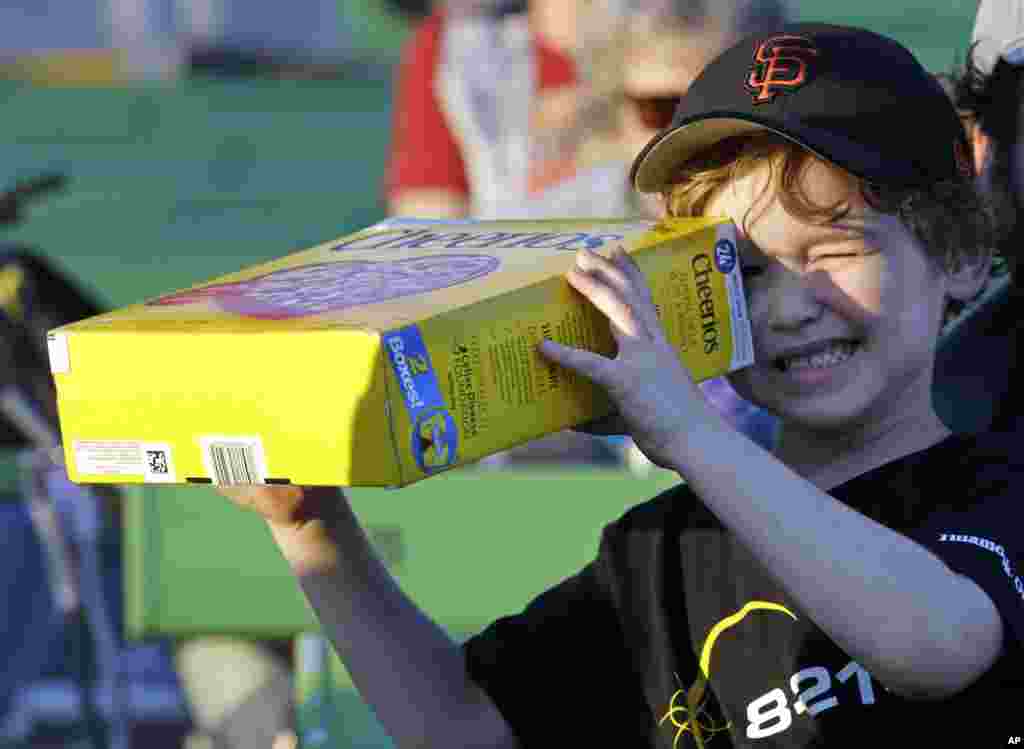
(794,300)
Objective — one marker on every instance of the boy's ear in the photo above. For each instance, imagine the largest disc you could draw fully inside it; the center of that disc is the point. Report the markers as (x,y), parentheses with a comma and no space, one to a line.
(966,276)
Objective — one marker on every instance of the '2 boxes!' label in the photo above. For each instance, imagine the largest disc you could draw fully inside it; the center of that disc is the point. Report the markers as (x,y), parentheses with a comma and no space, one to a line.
(435,436)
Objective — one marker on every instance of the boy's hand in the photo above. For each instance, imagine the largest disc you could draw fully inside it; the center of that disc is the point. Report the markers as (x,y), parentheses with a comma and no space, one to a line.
(279,505)
(304,520)
(654,396)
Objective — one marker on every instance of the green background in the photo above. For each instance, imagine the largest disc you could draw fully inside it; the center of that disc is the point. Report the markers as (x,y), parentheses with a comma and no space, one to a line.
(469,545)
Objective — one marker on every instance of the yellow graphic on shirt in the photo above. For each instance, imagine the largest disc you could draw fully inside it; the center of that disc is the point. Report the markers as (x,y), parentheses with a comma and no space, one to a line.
(694,696)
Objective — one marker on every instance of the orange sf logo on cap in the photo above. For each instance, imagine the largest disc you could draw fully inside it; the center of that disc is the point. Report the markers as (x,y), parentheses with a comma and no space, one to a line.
(780,64)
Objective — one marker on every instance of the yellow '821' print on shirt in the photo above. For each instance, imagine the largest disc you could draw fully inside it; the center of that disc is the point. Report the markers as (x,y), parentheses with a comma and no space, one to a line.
(771,713)
(695,694)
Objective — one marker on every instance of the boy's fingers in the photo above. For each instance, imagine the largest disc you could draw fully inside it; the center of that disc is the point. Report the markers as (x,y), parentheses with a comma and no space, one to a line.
(590,261)
(625,262)
(644,308)
(277,503)
(594,367)
(607,300)
(605,269)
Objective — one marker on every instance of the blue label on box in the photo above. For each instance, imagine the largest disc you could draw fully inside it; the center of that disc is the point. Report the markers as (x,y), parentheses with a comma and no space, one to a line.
(435,437)
(725,256)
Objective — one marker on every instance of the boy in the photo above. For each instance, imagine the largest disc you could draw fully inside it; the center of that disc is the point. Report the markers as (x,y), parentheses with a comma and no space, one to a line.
(863,578)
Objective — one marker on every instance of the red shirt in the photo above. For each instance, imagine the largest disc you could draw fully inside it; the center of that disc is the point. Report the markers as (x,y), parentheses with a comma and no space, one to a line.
(424,152)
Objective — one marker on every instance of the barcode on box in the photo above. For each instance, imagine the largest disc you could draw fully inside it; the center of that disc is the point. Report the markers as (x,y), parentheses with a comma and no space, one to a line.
(234,460)
(233,464)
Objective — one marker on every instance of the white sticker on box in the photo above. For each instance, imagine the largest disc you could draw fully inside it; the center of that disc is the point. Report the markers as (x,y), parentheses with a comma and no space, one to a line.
(151,460)
(57,346)
(234,459)
(108,457)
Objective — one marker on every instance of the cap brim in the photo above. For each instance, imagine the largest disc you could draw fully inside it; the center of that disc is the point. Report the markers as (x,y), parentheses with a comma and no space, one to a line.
(657,164)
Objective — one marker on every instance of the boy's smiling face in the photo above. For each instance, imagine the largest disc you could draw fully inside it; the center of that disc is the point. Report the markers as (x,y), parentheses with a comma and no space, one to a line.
(863,279)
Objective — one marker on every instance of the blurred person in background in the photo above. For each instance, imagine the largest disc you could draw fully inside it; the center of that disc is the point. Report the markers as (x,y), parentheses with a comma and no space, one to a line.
(636,65)
(1001,198)
(471,78)
(500,104)
(989,93)
(989,96)
(523,110)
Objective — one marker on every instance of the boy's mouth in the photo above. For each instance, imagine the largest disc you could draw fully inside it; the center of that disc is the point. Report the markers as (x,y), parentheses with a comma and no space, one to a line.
(822,356)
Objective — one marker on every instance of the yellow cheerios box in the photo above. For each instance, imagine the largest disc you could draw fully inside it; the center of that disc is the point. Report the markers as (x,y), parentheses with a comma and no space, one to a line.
(379,358)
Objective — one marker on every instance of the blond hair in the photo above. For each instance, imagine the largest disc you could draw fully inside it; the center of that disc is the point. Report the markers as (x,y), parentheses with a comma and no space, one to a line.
(951,219)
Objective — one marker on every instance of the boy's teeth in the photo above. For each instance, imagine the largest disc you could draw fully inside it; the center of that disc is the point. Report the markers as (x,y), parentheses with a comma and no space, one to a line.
(833,355)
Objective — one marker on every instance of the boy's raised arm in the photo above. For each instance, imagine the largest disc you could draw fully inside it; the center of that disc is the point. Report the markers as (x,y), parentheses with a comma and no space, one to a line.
(404,665)
(888,601)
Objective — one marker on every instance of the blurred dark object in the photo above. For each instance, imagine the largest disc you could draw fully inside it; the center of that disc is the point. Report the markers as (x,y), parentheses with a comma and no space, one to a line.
(34,298)
(14,200)
(249,62)
(412,9)
(977,360)
(974,363)
(492,8)
(26,384)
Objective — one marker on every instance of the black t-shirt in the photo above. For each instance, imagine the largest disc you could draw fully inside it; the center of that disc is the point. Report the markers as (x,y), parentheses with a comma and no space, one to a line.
(609,656)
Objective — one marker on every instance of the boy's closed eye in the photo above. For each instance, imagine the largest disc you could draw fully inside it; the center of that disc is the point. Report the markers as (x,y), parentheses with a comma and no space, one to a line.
(827,258)
(830,251)
(755,269)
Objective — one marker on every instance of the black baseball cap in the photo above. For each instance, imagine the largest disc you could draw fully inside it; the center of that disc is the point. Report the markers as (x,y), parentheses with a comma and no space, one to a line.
(855,98)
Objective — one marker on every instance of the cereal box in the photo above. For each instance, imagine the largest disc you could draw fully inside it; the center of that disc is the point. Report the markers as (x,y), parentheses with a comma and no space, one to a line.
(380,358)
